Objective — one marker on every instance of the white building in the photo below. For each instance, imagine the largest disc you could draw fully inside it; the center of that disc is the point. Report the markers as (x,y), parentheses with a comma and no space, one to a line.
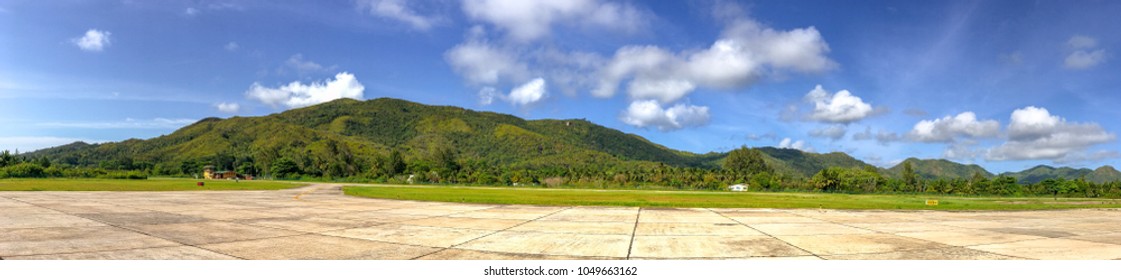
(738,187)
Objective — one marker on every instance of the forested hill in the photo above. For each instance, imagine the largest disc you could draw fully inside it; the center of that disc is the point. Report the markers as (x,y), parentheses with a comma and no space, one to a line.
(347,137)
(939,168)
(387,138)
(1044,172)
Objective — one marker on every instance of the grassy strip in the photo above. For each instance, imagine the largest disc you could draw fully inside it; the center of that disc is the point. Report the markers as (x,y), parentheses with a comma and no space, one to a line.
(716,199)
(153,184)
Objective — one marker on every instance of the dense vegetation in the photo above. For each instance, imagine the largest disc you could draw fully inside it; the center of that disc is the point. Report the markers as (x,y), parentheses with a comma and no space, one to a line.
(396,141)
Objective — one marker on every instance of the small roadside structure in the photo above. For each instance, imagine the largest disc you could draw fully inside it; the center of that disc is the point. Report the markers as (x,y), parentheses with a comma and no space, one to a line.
(209,173)
(738,187)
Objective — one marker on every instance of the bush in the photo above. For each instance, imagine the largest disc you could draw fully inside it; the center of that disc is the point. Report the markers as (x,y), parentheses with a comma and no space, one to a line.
(24,170)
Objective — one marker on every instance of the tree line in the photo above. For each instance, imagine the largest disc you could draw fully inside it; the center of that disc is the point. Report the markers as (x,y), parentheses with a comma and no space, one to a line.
(442,165)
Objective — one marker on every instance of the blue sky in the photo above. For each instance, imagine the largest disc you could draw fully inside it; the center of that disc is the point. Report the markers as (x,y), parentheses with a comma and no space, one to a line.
(1004,84)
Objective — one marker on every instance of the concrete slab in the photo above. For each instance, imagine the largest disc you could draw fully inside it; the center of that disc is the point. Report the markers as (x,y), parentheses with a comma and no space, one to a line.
(967,237)
(161,253)
(1055,249)
(412,235)
(210,232)
(857,244)
(44,241)
(461,254)
(673,247)
(727,227)
(609,228)
(565,244)
(323,224)
(468,223)
(951,253)
(233,215)
(809,229)
(904,227)
(141,218)
(595,214)
(318,247)
(310,224)
(783,219)
(1111,238)
(44,221)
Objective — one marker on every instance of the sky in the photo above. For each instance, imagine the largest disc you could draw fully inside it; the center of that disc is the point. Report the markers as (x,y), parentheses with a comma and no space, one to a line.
(1004,84)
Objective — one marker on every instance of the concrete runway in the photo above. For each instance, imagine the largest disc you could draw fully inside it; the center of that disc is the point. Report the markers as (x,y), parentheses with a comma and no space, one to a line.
(318,222)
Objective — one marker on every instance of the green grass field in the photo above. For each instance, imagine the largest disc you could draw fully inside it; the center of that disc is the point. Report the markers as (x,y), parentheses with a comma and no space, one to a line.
(151,184)
(715,199)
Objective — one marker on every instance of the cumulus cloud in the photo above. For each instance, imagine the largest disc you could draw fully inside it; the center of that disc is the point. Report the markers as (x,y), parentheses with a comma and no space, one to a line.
(93,41)
(1033,133)
(529,93)
(800,145)
(191,11)
(227,107)
(648,113)
(842,107)
(1083,55)
(399,10)
(526,21)
(745,52)
(296,94)
(949,128)
(482,63)
(834,132)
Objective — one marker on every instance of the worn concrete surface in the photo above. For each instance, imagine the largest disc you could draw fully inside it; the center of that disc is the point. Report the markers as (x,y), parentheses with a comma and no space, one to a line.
(318,222)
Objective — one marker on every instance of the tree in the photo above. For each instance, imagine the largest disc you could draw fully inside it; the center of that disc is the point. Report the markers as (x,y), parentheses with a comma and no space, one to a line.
(284,167)
(746,161)
(909,177)
(396,163)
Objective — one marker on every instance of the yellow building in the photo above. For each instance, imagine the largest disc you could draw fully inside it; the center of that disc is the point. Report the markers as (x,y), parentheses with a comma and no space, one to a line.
(209,173)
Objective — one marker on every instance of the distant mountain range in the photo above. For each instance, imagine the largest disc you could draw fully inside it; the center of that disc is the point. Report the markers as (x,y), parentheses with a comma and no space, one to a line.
(348,137)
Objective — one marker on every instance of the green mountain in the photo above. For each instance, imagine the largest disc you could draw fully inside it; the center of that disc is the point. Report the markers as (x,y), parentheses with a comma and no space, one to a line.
(1044,172)
(386,136)
(804,165)
(348,137)
(938,168)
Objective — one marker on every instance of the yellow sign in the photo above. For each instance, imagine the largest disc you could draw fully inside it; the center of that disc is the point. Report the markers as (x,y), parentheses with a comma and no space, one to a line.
(931,202)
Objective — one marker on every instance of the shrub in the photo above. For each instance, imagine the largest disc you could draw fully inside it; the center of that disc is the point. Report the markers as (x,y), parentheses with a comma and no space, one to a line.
(24,170)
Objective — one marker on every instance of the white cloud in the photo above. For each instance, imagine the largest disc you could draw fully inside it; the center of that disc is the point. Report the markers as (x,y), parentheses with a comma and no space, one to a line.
(227,107)
(304,66)
(93,41)
(1081,59)
(834,132)
(1082,54)
(648,113)
(842,107)
(25,144)
(231,46)
(1033,133)
(529,93)
(948,128)
(526,21)
(800,145)
(481,63)
(399,10)
(487,95)
(191,11)
(127,123)
(296,94)
(746,52)
(1082,42)
(881,137)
